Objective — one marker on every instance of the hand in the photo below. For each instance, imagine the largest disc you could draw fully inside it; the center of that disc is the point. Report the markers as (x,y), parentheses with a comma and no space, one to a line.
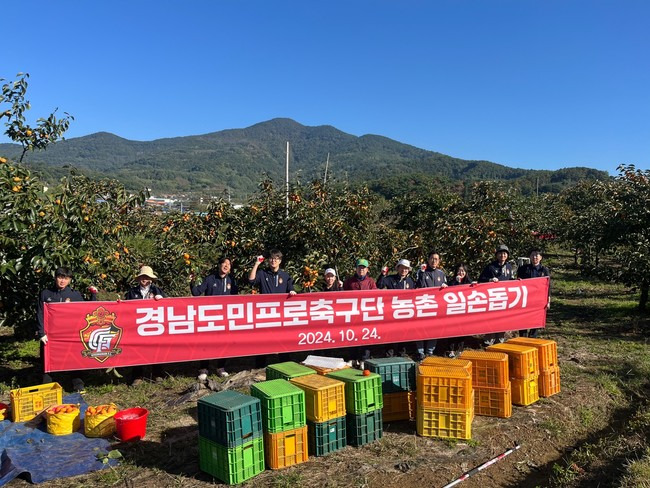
(292,293)
(44,339)
(93,289)
(444,285)
(494,280)
(340,284)
(384,270)
(157,297)
(192,277)
(260,259)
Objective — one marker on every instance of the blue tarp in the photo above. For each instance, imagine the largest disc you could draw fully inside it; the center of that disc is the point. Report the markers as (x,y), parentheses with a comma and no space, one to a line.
(44,456)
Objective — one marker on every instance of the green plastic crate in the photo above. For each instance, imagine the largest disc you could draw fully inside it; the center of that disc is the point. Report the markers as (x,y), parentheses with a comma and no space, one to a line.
(283,405)
(326,437)
(362,393)
(397,374)
(229,418)
(286,371)
(232,465)
(364,428)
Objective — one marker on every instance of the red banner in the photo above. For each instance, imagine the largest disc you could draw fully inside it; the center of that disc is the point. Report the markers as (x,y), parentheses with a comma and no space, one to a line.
(89,335)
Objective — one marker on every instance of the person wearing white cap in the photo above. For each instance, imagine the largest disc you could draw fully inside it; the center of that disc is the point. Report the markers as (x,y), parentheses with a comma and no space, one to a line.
(398,281)
(331,281)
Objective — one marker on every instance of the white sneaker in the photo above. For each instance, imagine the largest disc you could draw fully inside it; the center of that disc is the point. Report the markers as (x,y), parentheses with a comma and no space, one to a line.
(222,373)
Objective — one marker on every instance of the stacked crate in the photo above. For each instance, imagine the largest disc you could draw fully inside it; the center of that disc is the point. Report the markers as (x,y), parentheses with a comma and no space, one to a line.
(491,383)
(445,399)
(363,404)
(231,447)
(549,368)
(397,386)
(325,411)
(283,422)
(523,367)
(287,371)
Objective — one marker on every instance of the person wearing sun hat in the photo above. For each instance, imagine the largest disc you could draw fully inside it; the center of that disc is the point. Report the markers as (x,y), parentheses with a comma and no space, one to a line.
(145,288)
(360,280)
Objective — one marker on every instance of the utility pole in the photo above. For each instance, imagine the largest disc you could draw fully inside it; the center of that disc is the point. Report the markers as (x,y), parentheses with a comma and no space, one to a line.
(326,165)
(287,182)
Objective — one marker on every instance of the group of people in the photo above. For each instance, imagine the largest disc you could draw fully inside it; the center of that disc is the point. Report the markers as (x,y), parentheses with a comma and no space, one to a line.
(272,279)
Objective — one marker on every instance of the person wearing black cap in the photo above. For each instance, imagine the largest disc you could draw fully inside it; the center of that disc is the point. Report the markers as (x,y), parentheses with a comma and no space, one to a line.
(60,291)
(534,269)
(432,276)
(398,281)
(498,270)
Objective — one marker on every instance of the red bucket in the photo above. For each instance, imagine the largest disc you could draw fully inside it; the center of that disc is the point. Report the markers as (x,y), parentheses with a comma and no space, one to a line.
(131,424)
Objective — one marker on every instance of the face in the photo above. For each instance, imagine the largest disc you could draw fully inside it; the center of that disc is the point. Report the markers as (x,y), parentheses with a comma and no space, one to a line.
(62,281)
(502,256)
(274,262)
(362,271)
(402,270)
(329,279)
(224,268)
(144,281)
(460,274)
(535,258)
(434,261)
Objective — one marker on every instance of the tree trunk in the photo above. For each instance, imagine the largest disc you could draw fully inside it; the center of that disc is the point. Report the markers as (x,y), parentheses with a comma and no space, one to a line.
(643,301)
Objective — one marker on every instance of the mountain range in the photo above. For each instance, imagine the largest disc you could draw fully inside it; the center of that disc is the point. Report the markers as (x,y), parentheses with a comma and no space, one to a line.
(235,160)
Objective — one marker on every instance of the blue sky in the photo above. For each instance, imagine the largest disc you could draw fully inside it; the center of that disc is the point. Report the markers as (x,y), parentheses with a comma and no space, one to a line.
(531,84)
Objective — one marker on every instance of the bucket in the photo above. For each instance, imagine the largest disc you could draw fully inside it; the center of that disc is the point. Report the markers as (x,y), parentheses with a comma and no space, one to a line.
(131,424)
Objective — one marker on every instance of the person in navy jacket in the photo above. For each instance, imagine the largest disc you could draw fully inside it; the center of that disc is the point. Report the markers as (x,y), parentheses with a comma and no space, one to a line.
(498,270)
(398,281)
(219,282)
(431,277)
(534,269)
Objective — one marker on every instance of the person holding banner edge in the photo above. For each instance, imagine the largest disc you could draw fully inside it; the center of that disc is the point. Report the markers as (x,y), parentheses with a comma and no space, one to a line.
(534,269)
(60,291)
(219,282)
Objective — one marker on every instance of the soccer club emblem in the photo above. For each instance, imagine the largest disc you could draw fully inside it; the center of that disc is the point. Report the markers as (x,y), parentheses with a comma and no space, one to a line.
(101,336)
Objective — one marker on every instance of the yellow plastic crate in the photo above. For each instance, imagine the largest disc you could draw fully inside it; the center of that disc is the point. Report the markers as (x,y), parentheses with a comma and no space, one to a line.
(524,392)
(26,403)
(523,361)
(493,402)
(444,387)
(447,362)
(489,369)
(324,397)
(399,406)
(549,382)
(546,349)
(284,449)
(445,423)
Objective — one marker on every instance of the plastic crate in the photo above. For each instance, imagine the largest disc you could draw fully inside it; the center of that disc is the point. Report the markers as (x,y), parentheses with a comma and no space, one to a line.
(444,387)
(445,423)
(523,361)
(26,403)
(362,393)
(489,369)
(364,428)
(493,402)
(546,349)
(442,362)
(231,465)
(287,370)
(283,405)
(327,437)
(399,406)
(397,374)
(324,397)
(549,382)
(284,449)
(524,392)
(229,418)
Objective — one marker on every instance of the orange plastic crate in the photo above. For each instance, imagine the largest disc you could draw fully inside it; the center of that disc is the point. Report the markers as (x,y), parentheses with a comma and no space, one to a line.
(549,382)
(489,369)
(447,362)
(284,449)
(399,406)
(444,387)
(546,349)
(523,361)
(324,397)
(445,423)
(524,392)
(493,402)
